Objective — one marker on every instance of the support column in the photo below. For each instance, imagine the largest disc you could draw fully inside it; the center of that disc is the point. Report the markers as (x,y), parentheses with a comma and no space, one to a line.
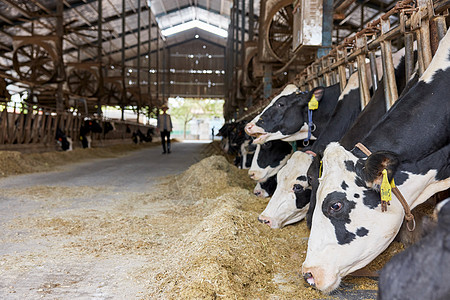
(124,90)
(267,80)
(59,33)
(327,28)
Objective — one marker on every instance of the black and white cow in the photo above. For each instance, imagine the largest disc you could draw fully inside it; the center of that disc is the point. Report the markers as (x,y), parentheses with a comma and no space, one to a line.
(423,270)
(63,141)
(85,130)
(266,188)
(281,210)
(286,117)
(286,205)
(247,153)
(268,159)
(412,142)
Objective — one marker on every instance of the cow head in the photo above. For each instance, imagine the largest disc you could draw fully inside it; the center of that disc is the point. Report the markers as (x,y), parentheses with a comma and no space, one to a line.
(348,228)
(268,159)
(290,201)
(285,117)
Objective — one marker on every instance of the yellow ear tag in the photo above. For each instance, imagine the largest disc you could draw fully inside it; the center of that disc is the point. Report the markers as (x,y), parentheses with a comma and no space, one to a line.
(320,170)
(385,190)
(313,103)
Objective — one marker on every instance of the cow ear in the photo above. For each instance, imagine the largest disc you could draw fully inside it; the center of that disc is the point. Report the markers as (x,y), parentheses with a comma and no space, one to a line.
(318,92)
(376,163)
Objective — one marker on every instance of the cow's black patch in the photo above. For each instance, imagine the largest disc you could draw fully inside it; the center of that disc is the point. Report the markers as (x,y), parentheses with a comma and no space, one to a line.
(302,196)
(362,231)
(371,199)
(302,178)
(341,217)
(344,186)
(356,195)
(272,153)
(270,185)
(400,178)
(350,166)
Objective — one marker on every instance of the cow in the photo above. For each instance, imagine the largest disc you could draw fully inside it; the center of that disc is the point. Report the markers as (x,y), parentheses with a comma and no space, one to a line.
(410,143)
(286,205)
(63,141)
(247,153)
(85,130)
(348,108)
(268,159)
(266,188)
(422,270)
(286,116)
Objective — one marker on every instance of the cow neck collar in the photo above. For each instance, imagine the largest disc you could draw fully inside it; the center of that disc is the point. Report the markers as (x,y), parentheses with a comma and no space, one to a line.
(409,217)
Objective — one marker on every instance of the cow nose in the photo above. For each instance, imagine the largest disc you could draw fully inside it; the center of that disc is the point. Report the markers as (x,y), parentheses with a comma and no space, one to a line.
(309,278)
(265,220)
(252,175)
(248,128)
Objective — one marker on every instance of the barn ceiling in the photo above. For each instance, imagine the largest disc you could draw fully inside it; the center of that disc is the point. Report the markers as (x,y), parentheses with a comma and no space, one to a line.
(141,64)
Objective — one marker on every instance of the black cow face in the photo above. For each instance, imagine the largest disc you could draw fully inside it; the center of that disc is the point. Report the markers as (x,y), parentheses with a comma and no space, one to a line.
(288,114)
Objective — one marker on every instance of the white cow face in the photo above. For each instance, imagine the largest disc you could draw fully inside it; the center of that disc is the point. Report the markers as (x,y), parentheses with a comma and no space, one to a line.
(284,207)
(268,159)
(348,228)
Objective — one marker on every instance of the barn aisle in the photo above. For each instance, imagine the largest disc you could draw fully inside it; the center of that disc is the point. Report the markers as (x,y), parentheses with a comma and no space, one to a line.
(135,171)
(82,231)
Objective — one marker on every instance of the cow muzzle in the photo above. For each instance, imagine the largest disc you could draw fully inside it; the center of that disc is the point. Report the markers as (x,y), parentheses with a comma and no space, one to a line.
(265,220)
(319,278)
(257,132)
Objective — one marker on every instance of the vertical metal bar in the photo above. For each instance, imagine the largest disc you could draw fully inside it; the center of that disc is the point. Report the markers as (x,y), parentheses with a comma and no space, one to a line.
(341,70)
(437,32)
(139,55)
(327,28)
(242,32)
(157,65)
(364,92)
(373,70)
(251,17)
(390,85)
(168,72)
(59,67)
(99,53)
(149,61)
(124,90)
(267,80)
(409,55)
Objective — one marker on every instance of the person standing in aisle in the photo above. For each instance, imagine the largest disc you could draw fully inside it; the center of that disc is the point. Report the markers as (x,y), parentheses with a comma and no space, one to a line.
(165,127)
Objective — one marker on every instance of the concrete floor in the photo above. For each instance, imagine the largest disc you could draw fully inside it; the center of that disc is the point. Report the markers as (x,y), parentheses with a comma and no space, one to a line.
(129,172)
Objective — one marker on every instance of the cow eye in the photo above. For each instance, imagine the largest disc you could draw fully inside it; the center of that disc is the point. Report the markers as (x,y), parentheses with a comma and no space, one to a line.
(309,180)
(266,145)
(279,104)
(337,206)
(297,188)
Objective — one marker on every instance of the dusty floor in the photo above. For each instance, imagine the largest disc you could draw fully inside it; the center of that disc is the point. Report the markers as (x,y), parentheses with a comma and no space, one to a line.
(112,228)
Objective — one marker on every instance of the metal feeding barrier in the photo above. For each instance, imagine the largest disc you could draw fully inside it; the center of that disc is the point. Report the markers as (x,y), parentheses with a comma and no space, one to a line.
(421,21)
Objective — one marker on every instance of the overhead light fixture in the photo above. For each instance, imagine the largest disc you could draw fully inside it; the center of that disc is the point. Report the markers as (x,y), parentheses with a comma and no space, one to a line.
(195,24)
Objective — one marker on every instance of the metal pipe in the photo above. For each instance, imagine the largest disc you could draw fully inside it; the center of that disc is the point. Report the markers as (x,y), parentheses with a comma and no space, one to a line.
(124,93)
(362,72)
(242,32)
(409,55)
(373,70)
(251,20)
(149,61)
(139,55)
